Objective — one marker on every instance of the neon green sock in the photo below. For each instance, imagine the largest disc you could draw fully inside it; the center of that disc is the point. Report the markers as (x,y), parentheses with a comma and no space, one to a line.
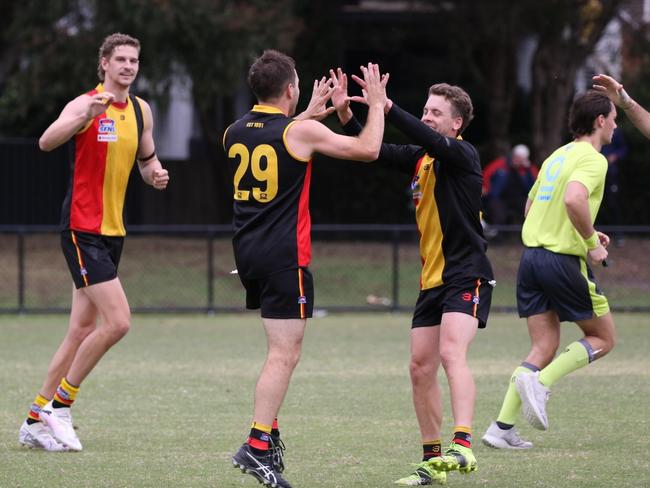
(511,402)
(574,357)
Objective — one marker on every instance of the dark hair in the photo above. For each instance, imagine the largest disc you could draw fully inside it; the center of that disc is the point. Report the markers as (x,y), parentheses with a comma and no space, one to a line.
(109,45)
(459,99)
(270,74)
(586,107)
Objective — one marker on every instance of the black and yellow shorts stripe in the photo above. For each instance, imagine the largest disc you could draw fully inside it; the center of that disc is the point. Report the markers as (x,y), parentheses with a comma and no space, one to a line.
(91,258)
(287,294)
(471,296)
(559,282)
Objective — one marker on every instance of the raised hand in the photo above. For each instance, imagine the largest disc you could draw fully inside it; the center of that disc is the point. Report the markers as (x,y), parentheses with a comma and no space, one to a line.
(374,88)
(98,103)
(321,93)
(362,82)
(613,90)
(340,99)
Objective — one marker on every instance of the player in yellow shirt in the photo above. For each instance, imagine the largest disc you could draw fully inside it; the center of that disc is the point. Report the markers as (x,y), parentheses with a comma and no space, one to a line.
(555,283)
(110,131)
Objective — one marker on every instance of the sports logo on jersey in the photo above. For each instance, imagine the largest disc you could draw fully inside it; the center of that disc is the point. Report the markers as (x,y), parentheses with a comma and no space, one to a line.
(106,132)
(466,297)
(415,189)
(302,300)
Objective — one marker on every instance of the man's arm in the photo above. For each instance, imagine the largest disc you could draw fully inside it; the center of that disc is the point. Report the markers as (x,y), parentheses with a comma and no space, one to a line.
(399,157)
(447,149)
(617,94)
(576,200)
(392,156)
(307,137)
(149,165)
(74,117)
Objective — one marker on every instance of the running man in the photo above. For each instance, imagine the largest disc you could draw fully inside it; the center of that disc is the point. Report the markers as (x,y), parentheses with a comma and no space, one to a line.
(110,129)
(555,283)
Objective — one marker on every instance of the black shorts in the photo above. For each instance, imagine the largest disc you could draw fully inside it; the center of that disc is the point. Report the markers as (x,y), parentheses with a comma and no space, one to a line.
(472,297)
(91,258)
(286,294)
(550,281)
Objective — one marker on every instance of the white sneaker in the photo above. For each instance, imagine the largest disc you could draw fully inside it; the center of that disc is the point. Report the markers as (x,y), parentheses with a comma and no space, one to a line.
(498,438)
(36,436)
(59,420)
(534,396)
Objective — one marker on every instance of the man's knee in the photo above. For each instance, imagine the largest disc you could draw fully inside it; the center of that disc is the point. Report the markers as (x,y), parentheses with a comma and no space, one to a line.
(78,331)
(118,326)
(422,368)
(285,357)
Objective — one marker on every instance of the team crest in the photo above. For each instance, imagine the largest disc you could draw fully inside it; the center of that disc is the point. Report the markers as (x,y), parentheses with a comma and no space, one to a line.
(416,190)
(106,132)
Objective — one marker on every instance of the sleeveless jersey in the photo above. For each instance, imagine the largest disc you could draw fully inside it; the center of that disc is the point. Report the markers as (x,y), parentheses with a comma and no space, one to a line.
(104,153)
(271,195)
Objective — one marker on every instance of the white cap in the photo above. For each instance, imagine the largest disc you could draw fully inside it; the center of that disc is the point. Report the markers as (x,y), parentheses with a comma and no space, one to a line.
(521,150)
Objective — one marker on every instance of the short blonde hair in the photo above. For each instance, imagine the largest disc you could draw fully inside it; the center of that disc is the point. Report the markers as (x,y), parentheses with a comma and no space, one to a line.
(109,45)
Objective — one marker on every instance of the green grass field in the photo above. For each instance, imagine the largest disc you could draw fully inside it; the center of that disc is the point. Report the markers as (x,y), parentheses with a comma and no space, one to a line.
(169,405)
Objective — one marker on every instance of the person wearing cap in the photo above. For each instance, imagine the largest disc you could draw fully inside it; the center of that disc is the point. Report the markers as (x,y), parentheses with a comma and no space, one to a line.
(506,183)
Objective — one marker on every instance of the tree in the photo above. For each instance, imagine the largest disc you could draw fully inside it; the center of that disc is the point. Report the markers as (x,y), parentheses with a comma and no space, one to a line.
(49,57)
(565,39)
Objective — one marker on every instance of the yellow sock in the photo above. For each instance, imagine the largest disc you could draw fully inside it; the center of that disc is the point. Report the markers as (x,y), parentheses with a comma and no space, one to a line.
(575,356)
(66,393)
(35,411)
(262,427)
(509,413)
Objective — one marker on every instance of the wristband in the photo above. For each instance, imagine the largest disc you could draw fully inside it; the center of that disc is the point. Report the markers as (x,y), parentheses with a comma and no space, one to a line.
(592,242)
(151,156)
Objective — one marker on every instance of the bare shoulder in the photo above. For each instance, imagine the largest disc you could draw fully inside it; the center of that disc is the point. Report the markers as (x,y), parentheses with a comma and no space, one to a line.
(305,129)
(80,101)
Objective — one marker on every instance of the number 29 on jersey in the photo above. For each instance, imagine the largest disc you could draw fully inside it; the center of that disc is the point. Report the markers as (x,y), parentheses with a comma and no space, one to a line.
(266,175)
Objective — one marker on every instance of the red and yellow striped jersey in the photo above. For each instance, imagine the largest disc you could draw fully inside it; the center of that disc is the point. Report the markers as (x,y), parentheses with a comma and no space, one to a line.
(104,153)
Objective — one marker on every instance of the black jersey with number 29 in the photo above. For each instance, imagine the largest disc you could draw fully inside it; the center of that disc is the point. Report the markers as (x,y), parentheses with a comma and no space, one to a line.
(271,195)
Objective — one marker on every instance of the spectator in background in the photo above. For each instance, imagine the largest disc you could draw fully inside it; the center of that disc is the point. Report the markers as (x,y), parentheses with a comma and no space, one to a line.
(506,182)
(615,153)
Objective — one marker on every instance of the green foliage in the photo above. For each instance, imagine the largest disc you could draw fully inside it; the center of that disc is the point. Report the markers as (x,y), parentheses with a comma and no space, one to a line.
(54,50)
(48,58)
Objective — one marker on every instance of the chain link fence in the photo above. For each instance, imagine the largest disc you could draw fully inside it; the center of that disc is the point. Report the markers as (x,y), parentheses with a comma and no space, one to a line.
(356,268)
